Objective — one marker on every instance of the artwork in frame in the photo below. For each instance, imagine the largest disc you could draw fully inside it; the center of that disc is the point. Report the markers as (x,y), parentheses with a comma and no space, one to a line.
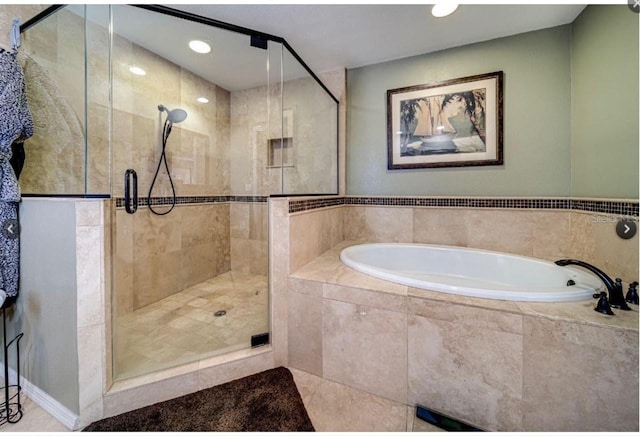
(455,123)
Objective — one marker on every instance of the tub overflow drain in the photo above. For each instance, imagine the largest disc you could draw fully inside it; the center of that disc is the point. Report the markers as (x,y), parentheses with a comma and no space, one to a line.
(220,313)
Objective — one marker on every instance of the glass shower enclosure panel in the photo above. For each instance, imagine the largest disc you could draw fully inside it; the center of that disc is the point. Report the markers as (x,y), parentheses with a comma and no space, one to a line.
(190,190)
(53,53)
(308,152)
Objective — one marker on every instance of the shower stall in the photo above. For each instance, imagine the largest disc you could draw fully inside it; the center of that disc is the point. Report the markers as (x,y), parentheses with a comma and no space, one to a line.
(186,146)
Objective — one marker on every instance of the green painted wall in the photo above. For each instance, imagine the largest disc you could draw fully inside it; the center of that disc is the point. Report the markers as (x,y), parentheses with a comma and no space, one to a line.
(604,104)
(46,308)
(537,125)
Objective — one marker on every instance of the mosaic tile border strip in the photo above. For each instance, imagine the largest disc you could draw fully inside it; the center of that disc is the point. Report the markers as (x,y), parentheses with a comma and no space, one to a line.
(601,206)
(163,201)
(613,207)
(302,205)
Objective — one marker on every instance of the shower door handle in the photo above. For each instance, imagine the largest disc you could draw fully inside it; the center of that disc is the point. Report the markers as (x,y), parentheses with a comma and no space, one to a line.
(130,204)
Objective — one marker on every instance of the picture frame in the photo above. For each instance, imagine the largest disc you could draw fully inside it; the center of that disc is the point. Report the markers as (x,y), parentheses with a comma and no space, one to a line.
(454,123)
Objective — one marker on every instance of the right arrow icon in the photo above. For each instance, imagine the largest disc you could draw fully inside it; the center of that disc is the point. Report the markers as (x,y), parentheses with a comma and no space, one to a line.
(626,228)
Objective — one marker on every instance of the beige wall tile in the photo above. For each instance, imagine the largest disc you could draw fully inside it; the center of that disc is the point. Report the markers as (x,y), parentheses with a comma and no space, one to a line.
(313,233)
(305,332)
(365,348)
(579,378)
(249,256)
(90,373)
(279,328)
(551,232)
(123,262)
(378,224)
(460,315)
(307,287)
(89,213)
(89,275)
(583,245)
(440,226)
(594,240)
(279,244)
(501,230)
(470,373)
(379,300)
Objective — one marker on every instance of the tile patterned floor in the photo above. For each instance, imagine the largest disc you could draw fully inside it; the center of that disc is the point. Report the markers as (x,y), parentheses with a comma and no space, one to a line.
(183,327)
(34,419)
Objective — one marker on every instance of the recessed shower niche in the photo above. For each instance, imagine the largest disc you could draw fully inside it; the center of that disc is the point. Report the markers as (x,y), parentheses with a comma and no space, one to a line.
(180,142)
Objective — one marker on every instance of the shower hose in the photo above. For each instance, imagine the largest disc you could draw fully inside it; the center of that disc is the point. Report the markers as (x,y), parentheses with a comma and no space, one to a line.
(163,158)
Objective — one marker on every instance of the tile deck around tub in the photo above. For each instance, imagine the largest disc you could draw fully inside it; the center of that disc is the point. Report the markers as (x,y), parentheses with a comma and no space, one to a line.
(327,268)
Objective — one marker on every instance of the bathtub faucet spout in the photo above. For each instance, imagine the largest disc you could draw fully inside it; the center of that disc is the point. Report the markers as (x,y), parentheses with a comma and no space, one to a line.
(616,297)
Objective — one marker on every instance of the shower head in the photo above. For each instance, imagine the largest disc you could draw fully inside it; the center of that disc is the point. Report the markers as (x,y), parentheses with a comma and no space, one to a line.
(174,116)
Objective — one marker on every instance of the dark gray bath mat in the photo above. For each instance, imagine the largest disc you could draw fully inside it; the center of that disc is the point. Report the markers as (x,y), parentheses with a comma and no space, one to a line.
(268,401)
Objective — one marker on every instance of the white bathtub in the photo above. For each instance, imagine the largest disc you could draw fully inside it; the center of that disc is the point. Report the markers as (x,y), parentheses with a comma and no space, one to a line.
(471,272)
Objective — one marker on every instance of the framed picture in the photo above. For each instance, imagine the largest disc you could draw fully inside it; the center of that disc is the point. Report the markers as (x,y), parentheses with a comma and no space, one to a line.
(456,123)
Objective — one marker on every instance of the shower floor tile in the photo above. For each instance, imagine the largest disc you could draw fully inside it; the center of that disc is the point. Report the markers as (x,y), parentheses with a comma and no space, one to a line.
(183,327)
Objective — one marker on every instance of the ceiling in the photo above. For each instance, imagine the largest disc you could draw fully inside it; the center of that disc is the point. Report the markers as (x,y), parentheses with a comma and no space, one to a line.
(328,37)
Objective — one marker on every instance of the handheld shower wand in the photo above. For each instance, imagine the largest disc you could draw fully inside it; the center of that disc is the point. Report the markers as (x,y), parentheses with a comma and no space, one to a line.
(173,116)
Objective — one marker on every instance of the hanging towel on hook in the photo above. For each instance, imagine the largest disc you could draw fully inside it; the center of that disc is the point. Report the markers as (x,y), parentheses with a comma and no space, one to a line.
(16,125)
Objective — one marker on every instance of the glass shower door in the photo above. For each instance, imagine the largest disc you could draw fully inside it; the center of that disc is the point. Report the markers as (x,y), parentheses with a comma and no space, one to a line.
(189,138)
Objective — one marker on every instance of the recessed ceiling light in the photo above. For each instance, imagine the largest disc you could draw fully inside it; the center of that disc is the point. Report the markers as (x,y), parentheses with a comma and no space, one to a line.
(137,70)
(443,9)
(199,46)
(202,100)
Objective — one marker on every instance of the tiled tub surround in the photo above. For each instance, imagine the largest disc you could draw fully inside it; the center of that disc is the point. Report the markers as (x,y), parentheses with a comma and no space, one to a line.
(479,360)
(545,228)
(500,365)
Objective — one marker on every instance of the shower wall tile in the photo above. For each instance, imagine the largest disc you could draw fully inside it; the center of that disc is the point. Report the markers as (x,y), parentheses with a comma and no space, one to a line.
(579,377)
(305,332)
(378,224)
(468,372)
(315,232)
(249,256)
(157,256)
(249,236)
(123,262)
(365,348)
(156,277)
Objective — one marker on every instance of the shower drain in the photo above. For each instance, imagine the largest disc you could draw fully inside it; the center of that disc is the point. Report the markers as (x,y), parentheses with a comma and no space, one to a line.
(220,313)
